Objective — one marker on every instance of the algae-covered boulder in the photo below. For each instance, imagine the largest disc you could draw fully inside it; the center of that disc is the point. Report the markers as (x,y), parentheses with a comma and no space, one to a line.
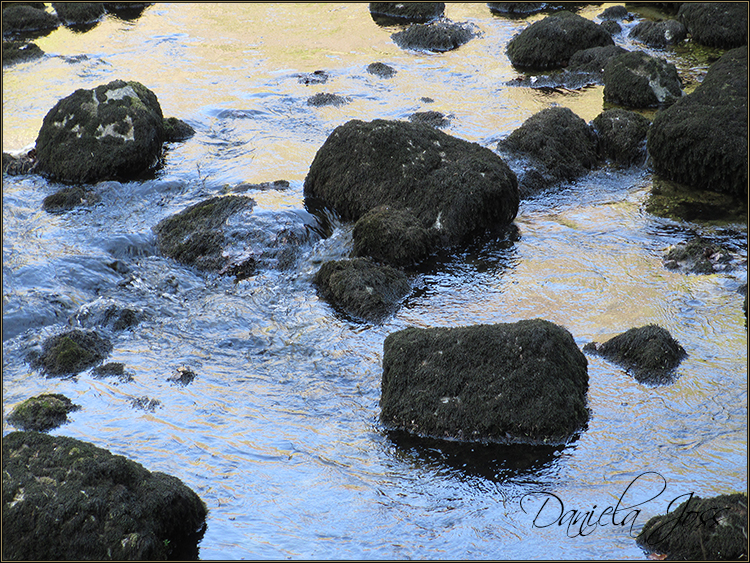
(79,13)
(70,352)
(42,413)
(431,118)
(524,382)
(439,36)
(177,130)
(406,11)
(649,353)
(69,198)
(64,499)
(556,145)
(551,42)
(701,141)
(677,201)
(381,70)
(622,136)
(637,80)
(699,529)
(362,289)
(112,132)
(394,236)
(454,186)
(22,19)
(20,51)
(659,34)
(326,99)
(516,8)
(593,60)
(716,24)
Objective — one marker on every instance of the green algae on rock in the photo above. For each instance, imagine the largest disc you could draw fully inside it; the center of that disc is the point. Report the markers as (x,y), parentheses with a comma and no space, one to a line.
(71,352)
(42,413)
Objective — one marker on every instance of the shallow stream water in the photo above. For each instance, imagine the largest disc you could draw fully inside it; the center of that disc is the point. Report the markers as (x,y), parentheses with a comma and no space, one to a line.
(279,431)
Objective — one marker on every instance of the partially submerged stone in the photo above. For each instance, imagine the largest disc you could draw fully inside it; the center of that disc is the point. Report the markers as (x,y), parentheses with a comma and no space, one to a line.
(69,198)
(518,382)
(676,201)
(516,8)
(65,499)
(21,19)
(438,36)
(42,413)
(381,70)
(716,24)
(177,130)
(551,42)
(362,289)
(622,136)
(593,60)
(557,145)
(408,11)
(659,34)
(637,80)
(20,51)
(79,13)
(326,99)
(699,529)
(431,118)
(71,352)
(649,353)
(698,256)
(18,165)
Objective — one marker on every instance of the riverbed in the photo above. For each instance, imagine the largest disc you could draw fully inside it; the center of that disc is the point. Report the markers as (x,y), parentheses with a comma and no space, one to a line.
(279,431)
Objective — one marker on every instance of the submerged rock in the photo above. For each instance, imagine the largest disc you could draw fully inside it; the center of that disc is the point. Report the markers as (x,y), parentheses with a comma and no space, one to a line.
(676,201)
(638,80)
(450,185)
(326,99)
(20,51)
(431,118)
(622,136)
(64,499)
(42,413)
(315,77)
(394,236)
(711,529)
(439,36)
(381,70)
(558,146)
(698,256)
(716,24)
(114,131)
(519,382)
(79,13)
(408,11)
(66,199)
(659,34)
(649,353)
(701,141)
(362,289)
(551,42)
(71,352)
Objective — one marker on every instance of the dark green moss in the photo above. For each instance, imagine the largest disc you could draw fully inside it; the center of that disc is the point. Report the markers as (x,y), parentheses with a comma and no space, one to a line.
(649,353)
(66,199)
(195,236)
(439,36)
(64,499)
(361,289)
(637,80)
(20,51)
(716,24)
(393,236)
(712,529)
(524,381)
(75,13)
(622,136)
(176,130)
(676,201)
(20,18)
(71,352)
(42,413)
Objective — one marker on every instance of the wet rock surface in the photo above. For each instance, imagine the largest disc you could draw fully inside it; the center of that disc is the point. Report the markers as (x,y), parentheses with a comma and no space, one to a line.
(698,256)
(637,80)
(381,70)
(361,288)
(622,136)
(438,36)
(659,34)
(42,413)
(649,353)
(518,382)
(70,352)
(68,499)
(29,20)
(715,24)
(79,13)
(20,51)
(405,11)
(326,99)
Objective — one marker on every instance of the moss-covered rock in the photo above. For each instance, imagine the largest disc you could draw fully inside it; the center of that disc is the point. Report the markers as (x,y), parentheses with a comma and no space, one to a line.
(21,19)
(523,382)
(659,34)
(516,8)
(362,289)
(698,256)
(177,130)
(69,198)
(439,36)
(716,24)
(326,99)
(711,529)
(675,201)
(649,353)
(622,136)
(394,236)
(614,13)
(431,118)
(593,60)
(112,132)
(556,146)
(71,352)
(42,413)
(64,499)
(20,51)
(451,185)
(79,13)
(18,165)
(701,141)
(381,70)
(551,42)
(406,11)
(637,80)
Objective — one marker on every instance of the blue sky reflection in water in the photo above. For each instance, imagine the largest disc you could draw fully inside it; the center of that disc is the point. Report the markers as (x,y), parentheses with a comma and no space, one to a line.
(279,431)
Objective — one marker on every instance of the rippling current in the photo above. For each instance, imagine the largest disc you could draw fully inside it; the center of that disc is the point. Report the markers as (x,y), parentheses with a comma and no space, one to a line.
(279,431)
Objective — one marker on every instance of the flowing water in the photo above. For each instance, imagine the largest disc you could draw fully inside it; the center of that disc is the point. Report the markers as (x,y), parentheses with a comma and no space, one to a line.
(279,431)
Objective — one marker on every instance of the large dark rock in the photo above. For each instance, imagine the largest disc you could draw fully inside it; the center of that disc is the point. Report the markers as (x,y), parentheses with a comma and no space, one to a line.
(42,413)
(710,529)
(614,13)
(659,34)
(114,131)
(20,51)
(622,136)
(408,11)
(556,145)
(22,19)
(551,42)
(716,24)
(593,60)
(516,8)
(701,141)
(70,352)
(79,13)
(439,36)
(638,80)
(362,289)
(64,499)
(524,382)
(649,353)
(452,186)
(394,236)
